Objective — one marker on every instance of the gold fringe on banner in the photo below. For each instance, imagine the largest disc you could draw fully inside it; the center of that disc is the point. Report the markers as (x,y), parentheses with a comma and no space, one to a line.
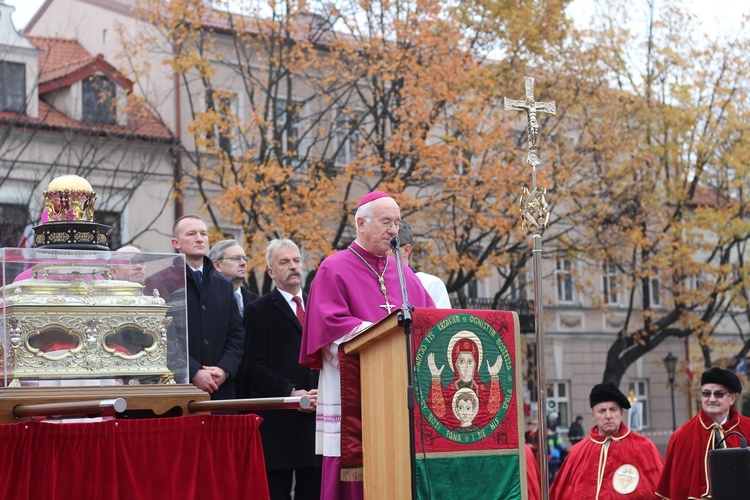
(351,474)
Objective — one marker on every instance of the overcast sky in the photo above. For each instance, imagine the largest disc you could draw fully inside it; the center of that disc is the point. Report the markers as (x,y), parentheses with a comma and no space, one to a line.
(715,14)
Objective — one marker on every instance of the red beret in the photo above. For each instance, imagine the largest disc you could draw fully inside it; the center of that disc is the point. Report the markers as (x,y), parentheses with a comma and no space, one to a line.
(372,196)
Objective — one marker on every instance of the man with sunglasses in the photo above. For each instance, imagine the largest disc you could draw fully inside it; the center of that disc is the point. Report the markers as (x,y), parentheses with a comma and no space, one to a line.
(686,472)
(230,260)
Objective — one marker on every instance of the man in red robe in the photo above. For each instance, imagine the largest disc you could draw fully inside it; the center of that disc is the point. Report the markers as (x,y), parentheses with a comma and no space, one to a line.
(686,471)
(352,289)
(613,462)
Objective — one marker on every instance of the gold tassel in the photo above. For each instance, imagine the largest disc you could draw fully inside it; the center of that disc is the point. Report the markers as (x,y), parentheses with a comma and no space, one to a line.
(351,474)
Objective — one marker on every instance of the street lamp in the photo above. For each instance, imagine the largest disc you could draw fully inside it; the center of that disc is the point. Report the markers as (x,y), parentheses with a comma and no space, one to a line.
(670,362)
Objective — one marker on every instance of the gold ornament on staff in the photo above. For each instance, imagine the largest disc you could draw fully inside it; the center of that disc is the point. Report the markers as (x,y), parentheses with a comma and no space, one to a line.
(533,204)
(535,216)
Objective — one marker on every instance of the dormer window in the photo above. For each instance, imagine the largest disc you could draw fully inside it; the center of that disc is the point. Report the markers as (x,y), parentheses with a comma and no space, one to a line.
(99,100)
(13,86)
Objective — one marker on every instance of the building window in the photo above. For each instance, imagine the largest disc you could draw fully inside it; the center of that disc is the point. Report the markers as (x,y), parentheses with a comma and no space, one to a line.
(558,404)
(609,285)
(13,221)
(654,291)
(113,220)
(224,133)
(565,292)
(522,287)
(13,86)
(286,118)
(638,391)
(347,138)
(99,100)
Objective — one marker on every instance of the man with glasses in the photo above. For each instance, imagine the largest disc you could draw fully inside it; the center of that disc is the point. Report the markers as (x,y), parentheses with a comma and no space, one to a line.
(229,259)
(612,461)
(686,472)
(352,289)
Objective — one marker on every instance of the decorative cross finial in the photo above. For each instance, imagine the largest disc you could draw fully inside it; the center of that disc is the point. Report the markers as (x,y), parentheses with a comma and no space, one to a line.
(533,204)
(531,107)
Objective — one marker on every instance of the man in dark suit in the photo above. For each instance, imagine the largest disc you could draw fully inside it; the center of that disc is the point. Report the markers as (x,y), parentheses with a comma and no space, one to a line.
(229,258)
(270,368)
(215,332)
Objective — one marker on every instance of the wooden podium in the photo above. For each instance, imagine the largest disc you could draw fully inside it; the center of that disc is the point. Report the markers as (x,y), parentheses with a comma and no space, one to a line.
(491,443)
(386,462)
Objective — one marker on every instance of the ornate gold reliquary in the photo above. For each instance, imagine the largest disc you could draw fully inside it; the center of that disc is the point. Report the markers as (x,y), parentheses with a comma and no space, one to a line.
(72,315)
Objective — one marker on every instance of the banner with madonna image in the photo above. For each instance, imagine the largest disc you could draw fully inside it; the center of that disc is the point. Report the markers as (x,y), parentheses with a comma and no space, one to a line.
(467,384)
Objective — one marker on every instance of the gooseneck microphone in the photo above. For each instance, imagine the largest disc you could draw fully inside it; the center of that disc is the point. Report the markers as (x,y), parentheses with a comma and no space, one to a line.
(395,244)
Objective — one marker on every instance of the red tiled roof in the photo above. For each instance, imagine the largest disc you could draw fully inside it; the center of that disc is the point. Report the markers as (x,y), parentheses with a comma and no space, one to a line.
(64,62)
(142,125)
(708,197)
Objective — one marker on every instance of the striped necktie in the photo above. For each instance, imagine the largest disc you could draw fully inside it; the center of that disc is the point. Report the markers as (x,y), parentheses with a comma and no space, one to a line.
(718,436)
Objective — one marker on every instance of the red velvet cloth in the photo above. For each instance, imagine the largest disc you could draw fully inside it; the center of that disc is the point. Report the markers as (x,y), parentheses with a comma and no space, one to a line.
(351,412)
(197,456)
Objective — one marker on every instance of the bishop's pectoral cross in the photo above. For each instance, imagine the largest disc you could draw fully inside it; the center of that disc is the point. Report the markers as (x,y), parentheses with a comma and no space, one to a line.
(388,306)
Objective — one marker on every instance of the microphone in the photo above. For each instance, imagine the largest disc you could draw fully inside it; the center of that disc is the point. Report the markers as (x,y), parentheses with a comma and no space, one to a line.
(395,244)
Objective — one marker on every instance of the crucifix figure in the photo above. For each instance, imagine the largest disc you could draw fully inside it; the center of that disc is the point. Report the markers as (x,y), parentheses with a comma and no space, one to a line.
(388,306)
(531,107)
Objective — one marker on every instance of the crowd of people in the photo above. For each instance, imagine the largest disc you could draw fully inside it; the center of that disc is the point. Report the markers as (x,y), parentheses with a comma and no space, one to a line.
(287,343)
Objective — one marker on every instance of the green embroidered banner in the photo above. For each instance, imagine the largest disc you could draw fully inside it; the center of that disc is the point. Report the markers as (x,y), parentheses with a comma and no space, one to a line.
(468,427)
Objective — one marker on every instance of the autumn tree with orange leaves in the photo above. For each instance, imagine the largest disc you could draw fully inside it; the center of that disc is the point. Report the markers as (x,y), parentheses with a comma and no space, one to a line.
(662,116)
(294,116)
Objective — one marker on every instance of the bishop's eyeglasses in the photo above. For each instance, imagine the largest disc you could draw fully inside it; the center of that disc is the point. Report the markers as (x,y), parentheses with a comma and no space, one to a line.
(386,223)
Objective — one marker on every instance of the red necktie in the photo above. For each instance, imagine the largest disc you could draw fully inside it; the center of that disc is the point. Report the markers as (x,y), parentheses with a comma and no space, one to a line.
(300,310)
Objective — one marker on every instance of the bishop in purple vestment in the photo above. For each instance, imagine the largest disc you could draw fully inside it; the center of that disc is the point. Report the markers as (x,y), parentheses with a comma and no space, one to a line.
(352,289)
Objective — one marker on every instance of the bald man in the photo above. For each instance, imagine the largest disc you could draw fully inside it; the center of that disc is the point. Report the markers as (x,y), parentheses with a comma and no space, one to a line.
(135,271)
(129,341)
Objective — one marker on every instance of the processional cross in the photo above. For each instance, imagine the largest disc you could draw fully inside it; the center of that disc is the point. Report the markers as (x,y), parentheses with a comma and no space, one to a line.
(535,215)
(534,208)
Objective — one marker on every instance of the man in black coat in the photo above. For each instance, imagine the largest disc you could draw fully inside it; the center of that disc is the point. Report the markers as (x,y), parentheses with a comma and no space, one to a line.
(270,368)
(215,332)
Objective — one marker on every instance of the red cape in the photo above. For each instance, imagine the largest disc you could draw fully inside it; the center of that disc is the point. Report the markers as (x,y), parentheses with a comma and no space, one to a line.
(685,467)
(580,472)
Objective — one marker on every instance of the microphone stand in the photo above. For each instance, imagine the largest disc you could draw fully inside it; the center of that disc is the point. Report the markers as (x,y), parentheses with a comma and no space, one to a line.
(405,320)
